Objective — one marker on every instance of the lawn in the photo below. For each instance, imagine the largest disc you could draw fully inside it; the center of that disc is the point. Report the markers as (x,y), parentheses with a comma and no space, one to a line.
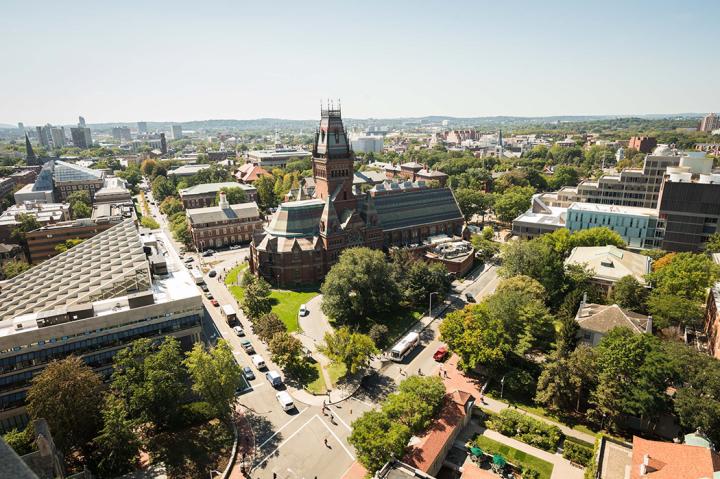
(232,277)
(286,304)
(336,371)
(318,385)
(514,456)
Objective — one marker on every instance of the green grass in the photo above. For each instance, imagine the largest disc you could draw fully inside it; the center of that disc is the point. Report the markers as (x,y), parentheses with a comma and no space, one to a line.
(336,371)
(515,456)
(318,385)
(286,304)
(232,277)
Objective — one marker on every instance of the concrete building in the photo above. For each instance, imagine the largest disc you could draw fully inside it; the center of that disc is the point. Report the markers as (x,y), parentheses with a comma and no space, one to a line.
(712,320)
(44,136)
(306,236)
(596,320)
(643,144)
(121,133)
(7,185)
(44,213)
(367,144)
(81,137)
(58,136)
(610,263)
(637,226)
(223,225)
(42,241)
(187,170)
(81,121)
(142,127)
(114,190)
(276,158)
(204,195)
(457,255)
(177,132)
(709,123)
(57,309)
(539,219)
(68,178)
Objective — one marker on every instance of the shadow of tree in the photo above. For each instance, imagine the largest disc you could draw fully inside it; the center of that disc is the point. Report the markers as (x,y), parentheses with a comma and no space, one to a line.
(375,387)
(263,431)
(302,374)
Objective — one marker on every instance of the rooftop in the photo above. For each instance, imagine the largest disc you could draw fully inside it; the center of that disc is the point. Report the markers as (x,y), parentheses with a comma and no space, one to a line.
(667,460)
(212,214)
(602,318)
(279,153)
(207,188)
(187,170)
(64,171)
(611,263)
(623,210)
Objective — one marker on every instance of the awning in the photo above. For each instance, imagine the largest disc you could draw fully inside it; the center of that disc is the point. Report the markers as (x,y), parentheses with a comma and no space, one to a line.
(476,451)
(498,460)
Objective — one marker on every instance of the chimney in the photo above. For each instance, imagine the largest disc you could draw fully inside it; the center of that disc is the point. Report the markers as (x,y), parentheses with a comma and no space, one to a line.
(584,299)
(223,203)
(649,325)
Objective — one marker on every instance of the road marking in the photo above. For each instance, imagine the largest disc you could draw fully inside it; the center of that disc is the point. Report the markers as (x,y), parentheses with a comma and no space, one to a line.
(285,441)
(338,418)
(336,438)
(283,427)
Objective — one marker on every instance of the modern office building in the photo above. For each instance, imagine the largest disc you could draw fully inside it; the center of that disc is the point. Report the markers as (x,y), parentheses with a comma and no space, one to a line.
(44,136)
(58,308)
(637,226)
(710,122)
(57,135)
(44,213)
(142,127)
(643,144)
(121,133)
(276,158)
(204,195)
(367,144)
(187,170)
(223,225)
(81,137)
(177,132)
(81,122)
(539,219)
(305,237)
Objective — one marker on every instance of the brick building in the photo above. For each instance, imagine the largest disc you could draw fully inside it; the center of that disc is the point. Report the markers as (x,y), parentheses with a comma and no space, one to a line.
(643,144)
(305,237)
(223,225)
(201,196)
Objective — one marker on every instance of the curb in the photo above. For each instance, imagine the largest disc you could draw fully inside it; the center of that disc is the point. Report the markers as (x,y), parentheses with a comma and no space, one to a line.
(231,462)
(346,397)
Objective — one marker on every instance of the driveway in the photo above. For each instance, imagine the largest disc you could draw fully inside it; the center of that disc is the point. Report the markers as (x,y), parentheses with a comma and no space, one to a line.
(314,325)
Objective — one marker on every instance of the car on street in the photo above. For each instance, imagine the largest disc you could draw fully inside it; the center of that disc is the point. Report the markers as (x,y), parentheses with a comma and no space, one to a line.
(235,246)
(189,265)
(212,273)
(274,378)
(303,310)
(238,330)
(285,400)
(189,259)
(258,361)
(215,303)
(440,354)
(204,288)
(247,346)
(248,373)
(208,252)
(209,295)
(469,298)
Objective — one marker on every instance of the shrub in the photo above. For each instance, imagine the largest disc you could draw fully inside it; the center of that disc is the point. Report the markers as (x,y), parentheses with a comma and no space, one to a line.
(195,413)
(577,453)
(530,474)
(526,429)
(23,442)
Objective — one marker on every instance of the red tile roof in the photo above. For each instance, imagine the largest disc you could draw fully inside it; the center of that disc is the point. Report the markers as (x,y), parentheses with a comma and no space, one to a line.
(667,460)
(423,454)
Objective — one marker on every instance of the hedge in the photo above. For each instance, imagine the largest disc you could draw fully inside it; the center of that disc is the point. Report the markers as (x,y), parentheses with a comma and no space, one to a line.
(526,429)
(577,453)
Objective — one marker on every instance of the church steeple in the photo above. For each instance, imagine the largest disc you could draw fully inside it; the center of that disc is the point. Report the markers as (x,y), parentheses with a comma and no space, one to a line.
(328,219)
(331,140)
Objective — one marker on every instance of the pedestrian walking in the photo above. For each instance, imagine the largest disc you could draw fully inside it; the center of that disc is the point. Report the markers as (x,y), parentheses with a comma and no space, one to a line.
(325,442)
(419,372)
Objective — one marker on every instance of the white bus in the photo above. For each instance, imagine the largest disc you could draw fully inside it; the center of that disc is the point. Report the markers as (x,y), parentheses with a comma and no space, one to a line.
(404,346)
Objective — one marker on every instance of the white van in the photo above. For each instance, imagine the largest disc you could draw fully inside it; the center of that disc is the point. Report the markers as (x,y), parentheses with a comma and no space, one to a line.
(258,361)
(285,400)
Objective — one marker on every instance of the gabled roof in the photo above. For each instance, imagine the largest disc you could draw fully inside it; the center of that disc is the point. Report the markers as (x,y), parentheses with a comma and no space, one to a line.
(416,208)
(667,460)
(611,263)
(602,318)
(213,214)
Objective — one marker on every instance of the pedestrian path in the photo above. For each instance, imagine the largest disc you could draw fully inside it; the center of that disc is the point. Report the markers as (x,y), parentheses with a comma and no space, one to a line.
(455,379)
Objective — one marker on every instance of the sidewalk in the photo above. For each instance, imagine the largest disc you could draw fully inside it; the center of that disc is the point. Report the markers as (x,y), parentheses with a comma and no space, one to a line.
(456,380)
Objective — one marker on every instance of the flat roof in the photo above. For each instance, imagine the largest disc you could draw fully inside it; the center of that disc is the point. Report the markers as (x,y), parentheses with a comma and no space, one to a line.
(214,188)
(623,210)
(556,218)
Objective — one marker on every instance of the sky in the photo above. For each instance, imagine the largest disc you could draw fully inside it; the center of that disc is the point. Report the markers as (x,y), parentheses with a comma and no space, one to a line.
(152,60)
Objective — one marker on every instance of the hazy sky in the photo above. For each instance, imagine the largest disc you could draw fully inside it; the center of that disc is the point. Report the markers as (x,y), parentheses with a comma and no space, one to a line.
(177,61)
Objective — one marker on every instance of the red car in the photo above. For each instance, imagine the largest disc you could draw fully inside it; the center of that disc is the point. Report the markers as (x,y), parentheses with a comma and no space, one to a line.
(440,354)
(214,302)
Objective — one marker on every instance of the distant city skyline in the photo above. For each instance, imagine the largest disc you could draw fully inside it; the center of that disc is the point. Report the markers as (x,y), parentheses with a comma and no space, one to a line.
(123,62)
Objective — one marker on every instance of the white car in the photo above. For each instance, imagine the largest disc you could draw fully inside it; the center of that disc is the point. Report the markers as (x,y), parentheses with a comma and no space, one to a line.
(285,400)
(238,330)
(258,361)
(303,310)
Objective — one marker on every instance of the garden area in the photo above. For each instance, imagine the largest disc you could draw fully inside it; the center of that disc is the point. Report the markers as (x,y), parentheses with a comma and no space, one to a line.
(519,460)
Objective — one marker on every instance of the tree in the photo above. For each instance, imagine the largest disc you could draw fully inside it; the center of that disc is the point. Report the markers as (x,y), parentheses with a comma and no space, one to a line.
(472,202)
(429,389)
(686,275)
(80,210)
(378,333)
(170,206)
(713,243)
(671,310)
(149,222)
(566,381)
(359,286)
(563,176)
(162,188)
(131,174)
(286,350)
(68,395)
(599,236)
(216,376)
(14,267)
(267,325)
(420,279)
(265,192)
(181,230)
(513,202)
(256,298)
(151,380)
(67,244)
(525,285)
(234,195)
(628,293)
(25,222)
(377,439)
(476,336)
(536,259)
(409,410)
(117,443)
(22,441)
(354,350)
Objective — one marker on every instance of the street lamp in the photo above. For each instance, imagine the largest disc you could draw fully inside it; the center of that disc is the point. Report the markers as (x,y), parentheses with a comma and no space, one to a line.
(430,307)
(502,386)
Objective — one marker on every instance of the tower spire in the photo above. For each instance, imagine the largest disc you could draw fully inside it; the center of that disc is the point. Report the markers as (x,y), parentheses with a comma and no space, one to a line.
(30,156)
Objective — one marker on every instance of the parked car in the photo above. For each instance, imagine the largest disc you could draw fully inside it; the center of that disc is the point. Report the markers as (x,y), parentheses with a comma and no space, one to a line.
(274,378)
(189,265)
(440,354)
(303,310)
(212,273)
(247,346)
(470,298)
(209,295)
(235,246)
(208,252)
(215,303)
(204,288)
(285,400)
(238,330)
(258,361)
(189,259)
(248,373)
